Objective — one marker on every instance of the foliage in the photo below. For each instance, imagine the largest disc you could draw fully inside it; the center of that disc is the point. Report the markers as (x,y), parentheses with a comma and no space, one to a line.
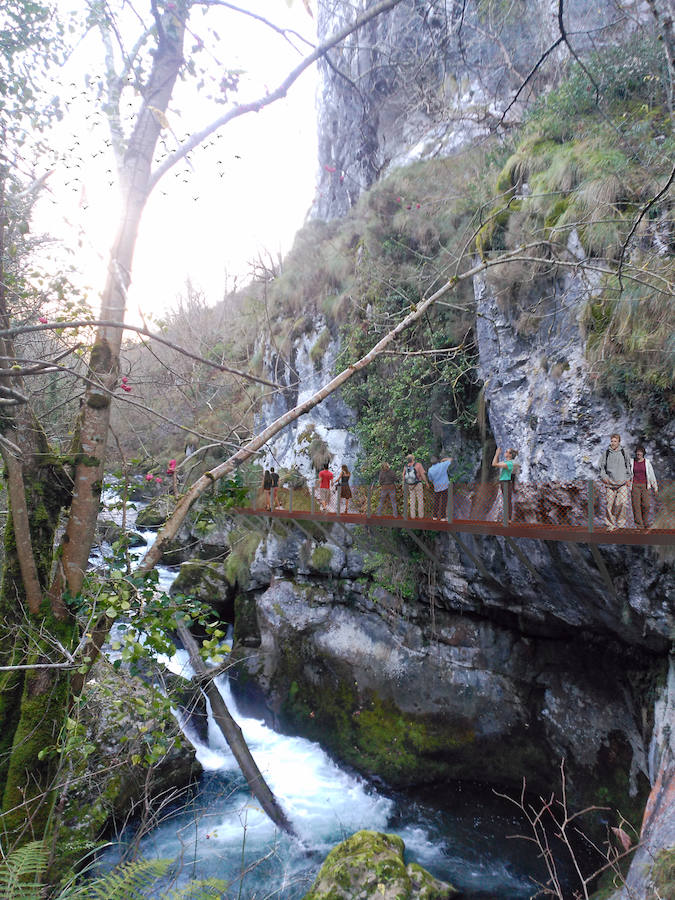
(20,872)
(243,545)
(31,41)
(663,872)
(625,76)
(147,619)
(585,167)
(129,881)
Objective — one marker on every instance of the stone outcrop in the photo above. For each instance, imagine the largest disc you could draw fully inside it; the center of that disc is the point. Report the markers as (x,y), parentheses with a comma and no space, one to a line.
(148,763)
(370,864)
(487,679)
(310,365)
(425,80)
(540,390)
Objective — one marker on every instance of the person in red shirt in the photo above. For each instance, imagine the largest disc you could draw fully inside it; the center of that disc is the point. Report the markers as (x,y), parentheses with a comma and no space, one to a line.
(644,481)
(323,491)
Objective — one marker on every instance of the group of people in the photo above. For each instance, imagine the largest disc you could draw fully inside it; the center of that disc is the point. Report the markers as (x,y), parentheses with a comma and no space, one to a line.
(618,472)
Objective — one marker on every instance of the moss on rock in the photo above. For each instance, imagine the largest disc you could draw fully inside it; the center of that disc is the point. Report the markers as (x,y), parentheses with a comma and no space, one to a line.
(663,873)
(207,582)
(370,864)
(321,558)
(156,513)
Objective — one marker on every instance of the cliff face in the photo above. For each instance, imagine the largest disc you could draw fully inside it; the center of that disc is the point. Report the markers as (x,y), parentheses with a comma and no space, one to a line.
(419,671)
(541,391)
(430,77)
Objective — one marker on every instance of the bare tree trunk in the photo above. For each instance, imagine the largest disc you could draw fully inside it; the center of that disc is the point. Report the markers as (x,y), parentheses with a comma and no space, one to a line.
(235,739)
(95,415)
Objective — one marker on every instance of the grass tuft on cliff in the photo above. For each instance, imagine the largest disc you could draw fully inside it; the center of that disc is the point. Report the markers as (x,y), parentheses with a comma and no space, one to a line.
(585,179)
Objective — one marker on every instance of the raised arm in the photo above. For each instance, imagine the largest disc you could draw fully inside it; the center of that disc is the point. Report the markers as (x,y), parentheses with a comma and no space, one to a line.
(495,460)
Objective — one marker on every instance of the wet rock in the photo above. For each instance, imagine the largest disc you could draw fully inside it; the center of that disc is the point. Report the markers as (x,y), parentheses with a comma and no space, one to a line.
(156,512)
(110,531)
(207,582)
(131,760)
(370,864)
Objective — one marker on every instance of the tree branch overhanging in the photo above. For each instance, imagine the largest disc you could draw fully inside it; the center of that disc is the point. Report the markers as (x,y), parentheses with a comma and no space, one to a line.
(199,136)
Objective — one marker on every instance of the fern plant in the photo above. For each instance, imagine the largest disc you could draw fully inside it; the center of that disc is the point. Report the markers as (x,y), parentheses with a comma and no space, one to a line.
(20,879)
(20,872)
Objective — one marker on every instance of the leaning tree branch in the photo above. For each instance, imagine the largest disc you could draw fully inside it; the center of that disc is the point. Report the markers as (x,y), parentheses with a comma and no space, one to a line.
(283,32)
(235,739)
(643,212)
(199,136)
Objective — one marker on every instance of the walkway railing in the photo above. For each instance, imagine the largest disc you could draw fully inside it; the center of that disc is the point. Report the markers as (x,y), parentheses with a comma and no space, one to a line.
(551,509)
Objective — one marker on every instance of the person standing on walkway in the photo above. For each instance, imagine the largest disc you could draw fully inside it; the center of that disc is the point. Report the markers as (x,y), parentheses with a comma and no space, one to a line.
(505,480)
(267,487)
(344,491)
(615,474)
(414,477)
(644,481)
(439,477)
(323,491)
(387,481)
(274,477)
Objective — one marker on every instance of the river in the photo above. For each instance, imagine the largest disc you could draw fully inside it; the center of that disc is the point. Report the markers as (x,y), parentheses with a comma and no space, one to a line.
(464,835)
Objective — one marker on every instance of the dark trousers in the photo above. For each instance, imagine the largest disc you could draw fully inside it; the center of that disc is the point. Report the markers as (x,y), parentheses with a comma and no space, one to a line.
(387,490)
(440,509)
(640,499)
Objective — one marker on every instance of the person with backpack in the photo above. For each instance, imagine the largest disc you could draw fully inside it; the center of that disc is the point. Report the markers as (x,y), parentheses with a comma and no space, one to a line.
(274,479)
(438,476)
(387,480)
(507,478)
(616,475)
(267,487)
(414,477)
(644,481)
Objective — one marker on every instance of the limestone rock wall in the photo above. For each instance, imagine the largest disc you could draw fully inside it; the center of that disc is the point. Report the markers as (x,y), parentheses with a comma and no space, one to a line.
(540,388)
(427,78)
(304,372)
(470,679)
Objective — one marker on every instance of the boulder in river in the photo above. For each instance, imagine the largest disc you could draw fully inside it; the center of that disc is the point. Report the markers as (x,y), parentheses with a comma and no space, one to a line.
(156,513)
(206,582)
(369,864)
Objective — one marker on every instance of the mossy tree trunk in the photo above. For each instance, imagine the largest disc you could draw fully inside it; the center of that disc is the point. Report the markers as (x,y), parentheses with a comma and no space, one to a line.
(34,702)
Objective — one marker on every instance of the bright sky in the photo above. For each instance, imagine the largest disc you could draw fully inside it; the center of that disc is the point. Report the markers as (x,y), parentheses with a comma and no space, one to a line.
(249,188)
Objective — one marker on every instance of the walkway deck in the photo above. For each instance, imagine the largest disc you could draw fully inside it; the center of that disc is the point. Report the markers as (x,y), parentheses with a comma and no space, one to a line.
(534,531)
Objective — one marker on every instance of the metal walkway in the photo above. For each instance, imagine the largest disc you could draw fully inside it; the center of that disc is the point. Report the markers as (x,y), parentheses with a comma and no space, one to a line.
(571,512)
(533,531)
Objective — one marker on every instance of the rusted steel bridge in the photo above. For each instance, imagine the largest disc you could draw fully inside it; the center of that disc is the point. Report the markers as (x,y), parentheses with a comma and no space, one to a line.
(571,512)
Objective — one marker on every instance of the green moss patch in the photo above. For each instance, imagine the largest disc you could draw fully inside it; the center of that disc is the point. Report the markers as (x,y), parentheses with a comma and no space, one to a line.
(370,864)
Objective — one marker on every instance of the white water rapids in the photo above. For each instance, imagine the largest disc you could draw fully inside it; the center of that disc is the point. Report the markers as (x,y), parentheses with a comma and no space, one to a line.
(222,832)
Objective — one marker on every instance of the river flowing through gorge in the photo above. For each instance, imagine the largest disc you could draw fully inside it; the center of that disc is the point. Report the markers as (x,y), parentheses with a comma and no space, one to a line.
(461,833)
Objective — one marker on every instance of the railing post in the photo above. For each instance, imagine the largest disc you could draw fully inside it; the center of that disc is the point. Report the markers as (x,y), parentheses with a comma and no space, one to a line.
(312,489)
(405,500)
(370,500)
(505,503)
(450,509)
(591,503)
(290,498)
